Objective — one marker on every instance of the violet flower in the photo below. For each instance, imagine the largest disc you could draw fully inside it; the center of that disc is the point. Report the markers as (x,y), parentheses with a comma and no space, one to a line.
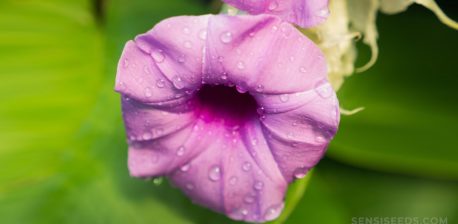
(304,13)
(230,108)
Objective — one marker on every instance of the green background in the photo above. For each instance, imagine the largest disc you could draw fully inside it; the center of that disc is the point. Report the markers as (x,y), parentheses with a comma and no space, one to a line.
(62,144)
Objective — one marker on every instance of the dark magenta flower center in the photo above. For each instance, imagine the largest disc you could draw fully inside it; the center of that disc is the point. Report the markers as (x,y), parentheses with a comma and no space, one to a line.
(223,102)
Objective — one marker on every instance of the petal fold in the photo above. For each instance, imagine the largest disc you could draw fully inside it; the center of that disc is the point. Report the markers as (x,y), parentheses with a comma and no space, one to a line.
(304,13)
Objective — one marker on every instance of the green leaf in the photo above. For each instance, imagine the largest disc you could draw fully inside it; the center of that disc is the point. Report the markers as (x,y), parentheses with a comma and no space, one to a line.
(409,125)
(293,196)
(338,193)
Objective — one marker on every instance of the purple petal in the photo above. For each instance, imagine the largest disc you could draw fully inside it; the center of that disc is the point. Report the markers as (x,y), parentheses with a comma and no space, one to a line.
(237,175)
(304,13)
(261,52)
(210,140)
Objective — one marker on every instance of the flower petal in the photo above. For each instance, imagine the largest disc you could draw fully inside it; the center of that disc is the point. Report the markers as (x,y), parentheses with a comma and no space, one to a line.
(305,13)
(178,58)
(300,127)
(240,168)
(235,175)
(261,53)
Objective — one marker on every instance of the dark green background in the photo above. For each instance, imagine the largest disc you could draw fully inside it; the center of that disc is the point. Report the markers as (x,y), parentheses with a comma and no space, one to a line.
(62,147)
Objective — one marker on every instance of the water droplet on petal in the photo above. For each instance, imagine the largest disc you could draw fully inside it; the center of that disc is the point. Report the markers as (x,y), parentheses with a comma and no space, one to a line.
(146,70)
(323,13)
(186,30)
(233,180)
(185,168)
(147,136)
(160,83)
(249,199)
(300,173)
(246,166)
(303,69)
(178,82)
(284,98)
(125,63)
(240,65)
(226,37)
(148,92)
(273,212)
(320,139)
(189,186)
(224,77)
(273,5)
(203,34)
(254,142)
(241,89)
(215,173)
(324,89)
(258,185)
(259,88)
(180,151)
(187,44)
(158,56)
(181,59)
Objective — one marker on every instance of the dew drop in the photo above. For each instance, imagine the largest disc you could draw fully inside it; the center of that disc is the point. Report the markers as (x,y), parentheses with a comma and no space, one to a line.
(187,44)
(147,136)
(185,168)
(226,37)
(246,166)
(125,63)
(290,135)
(241,89)
(158,56)
(254,142)
(186,30)
(272,212)
(249,199)
(189,186)
(181,59)
(324,89)
(215,173)
(284,98)
(303,69)
(178,82)
(146,70)
(224,76)
(300,173)
(233,180)
(273,5)
(148,92)
(258,185)
(203,34)
(160,83)
(180,151)
(240,65)
(259,88)
(323,13)
(320,139)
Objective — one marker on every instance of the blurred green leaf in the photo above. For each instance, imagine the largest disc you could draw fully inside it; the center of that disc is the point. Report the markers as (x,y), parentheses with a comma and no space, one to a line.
(337,193)
(409,125)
